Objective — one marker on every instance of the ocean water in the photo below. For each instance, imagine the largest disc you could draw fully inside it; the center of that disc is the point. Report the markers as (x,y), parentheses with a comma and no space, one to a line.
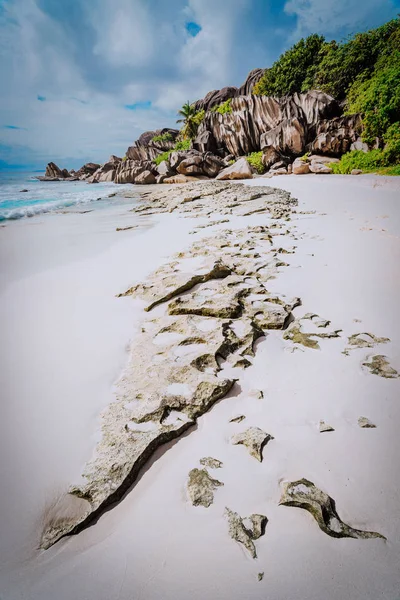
(44,197)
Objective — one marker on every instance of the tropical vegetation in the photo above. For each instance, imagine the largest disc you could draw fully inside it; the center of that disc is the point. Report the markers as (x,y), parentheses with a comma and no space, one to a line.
(191,120)
(363,71)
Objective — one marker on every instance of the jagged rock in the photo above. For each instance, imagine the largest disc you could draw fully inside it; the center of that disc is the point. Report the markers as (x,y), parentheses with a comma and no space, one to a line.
(128,170)
(201,487)
(108,171)
(379,365)
(211,463)
(289,137)
(182,282)
(237,419)
(239,131)
(145,149)
(145,178)
(54,172)
(279,171)
(324,427)
(316,319)
(365,423)
(295,334)
(205,142)
(173,374)
(270,156)
(191,165)
(304,494)
(320,168)
(366,340)
(300,167)
(87,170)
(252,78)
(320,158)
(359,145)
(212,164)
(260,576)
(239,170)
(216,97)
(246,533)
(183,179)
(254,439)
(335,136)
(164,168)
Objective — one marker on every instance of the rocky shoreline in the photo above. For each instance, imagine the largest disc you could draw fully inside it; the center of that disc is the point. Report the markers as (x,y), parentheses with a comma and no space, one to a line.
(299,134)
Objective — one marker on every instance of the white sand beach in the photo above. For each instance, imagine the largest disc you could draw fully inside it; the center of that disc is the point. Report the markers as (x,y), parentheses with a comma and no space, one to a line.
(65,338)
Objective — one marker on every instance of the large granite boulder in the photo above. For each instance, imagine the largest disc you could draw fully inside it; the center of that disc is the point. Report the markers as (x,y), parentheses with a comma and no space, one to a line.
(217,97)
(128,170)
(336,136)
(239,170)
(108,171)
(145,148)
(205,142)
(289,137)
(300,167)
(54,172)
(289,122)
(252,78)
(196,163)
(145,178)
(87,170)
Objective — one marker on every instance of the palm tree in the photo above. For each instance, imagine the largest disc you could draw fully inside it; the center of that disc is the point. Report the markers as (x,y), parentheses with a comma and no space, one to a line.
(187,113)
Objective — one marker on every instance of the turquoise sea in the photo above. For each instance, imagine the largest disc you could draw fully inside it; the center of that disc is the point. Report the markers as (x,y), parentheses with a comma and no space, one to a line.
(44,197)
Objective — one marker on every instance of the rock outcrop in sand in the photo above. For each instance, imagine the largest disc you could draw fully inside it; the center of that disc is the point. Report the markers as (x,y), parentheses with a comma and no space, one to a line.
(304,494)
(379,365)
(159,398)
(254,439)
(201,487)
(245,531)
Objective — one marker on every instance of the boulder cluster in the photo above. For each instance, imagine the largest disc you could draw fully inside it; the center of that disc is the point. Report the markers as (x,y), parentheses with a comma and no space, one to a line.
(301,133)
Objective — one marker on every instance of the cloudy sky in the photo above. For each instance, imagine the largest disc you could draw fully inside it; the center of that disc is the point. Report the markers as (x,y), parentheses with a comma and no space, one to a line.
(81,79)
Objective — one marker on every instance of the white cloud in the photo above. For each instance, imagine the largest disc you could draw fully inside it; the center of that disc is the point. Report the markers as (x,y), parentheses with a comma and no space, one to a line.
(332,16)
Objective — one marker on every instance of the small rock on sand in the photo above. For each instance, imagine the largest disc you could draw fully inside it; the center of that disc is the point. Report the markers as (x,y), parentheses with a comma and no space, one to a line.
(366,423)
(323,427)
(254,439)
(201,487)
(212,463)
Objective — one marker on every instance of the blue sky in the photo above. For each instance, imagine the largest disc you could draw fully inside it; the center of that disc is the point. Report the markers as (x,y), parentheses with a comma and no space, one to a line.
(81,79)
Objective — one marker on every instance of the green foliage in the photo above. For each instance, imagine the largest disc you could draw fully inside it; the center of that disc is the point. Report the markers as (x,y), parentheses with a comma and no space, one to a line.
(164,156)
(225,107)
(332,67)
(357,159)
(255,160)
(164,137)
(183,145)
(124,158)
(392,143)
(190,119)
(377,98)
(295,69)
(342,64)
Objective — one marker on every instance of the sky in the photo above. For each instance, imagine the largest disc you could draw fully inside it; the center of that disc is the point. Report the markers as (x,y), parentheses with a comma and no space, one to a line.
(82,79)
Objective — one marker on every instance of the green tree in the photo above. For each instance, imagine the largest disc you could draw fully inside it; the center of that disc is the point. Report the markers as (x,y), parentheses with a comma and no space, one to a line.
(294,70)
(190,119)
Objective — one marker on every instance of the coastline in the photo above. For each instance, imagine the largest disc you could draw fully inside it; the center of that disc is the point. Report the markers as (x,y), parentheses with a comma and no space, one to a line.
(85,290)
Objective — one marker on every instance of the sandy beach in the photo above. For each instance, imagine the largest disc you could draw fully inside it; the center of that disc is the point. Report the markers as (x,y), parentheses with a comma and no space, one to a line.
(66,342)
